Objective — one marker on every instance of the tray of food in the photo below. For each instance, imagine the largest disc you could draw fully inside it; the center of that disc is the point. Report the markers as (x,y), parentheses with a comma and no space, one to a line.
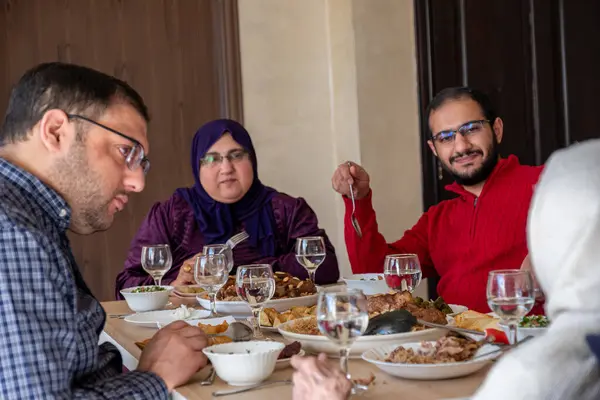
(289,292)
(382,319)
(450,356)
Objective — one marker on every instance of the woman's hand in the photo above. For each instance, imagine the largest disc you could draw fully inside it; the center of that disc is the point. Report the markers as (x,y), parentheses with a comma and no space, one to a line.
(315,379)
(186,273)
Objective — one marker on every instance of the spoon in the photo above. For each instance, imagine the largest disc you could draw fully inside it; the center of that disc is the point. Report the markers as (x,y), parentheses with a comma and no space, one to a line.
(353,219)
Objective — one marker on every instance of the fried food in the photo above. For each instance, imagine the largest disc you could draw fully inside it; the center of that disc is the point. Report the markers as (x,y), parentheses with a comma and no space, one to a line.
(304,326)
(427,311)
(286,286)
(189,289)
(269,317)
(476,321)
(447,349)
(219,340)
(214,329)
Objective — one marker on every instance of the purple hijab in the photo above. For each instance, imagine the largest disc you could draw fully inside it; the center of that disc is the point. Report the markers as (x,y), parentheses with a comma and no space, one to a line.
(218,221)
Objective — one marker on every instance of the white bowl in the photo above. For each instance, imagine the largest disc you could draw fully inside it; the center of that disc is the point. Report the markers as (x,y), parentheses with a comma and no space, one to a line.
(522,333)
(368,283)
(242,309)
(321,344)
(428,371)
(146,301)
(244,363)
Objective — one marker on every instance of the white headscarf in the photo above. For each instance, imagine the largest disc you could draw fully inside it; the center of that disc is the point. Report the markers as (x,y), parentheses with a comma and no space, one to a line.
(564,242)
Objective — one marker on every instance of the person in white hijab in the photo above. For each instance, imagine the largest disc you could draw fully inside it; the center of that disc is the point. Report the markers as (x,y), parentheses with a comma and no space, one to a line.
(563,232)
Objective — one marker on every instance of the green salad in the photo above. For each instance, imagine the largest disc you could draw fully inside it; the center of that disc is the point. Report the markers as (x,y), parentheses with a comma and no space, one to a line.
(534,321)
(148,289)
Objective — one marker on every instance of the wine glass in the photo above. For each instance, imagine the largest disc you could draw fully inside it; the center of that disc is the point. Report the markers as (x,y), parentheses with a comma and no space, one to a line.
(310,253)
(402,272)
(342,317)
(255,284)
(220,249)
(211,273)
(156,260)
(511,296)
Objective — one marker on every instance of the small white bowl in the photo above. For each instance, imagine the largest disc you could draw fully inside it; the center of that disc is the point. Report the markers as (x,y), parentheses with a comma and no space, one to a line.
(244,363)
(146,301)
(522,333)
(368,283)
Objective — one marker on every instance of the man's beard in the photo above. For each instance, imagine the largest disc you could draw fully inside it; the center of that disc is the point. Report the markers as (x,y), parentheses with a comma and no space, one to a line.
(479,175)
(81,188)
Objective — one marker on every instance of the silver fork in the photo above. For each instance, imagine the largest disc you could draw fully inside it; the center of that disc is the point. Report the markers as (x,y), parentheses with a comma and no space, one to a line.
(237,239)
(353,216)
(210,379)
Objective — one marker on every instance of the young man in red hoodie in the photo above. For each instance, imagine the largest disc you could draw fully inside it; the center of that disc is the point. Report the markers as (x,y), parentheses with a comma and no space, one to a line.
(461,239)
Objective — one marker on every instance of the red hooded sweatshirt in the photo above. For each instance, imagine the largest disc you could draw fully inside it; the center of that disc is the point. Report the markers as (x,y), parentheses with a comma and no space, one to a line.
(461,239)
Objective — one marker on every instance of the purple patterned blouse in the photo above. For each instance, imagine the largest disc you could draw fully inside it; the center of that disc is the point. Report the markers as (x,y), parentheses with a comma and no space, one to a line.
(173,222)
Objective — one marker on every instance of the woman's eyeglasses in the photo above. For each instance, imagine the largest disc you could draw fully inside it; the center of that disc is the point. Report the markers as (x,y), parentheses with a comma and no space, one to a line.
(214,159)
(467,129)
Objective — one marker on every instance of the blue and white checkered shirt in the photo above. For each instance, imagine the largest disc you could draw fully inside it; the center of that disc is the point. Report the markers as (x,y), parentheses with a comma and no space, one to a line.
(49,321)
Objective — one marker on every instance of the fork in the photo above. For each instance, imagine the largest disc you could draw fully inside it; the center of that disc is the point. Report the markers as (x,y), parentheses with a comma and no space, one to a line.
(210,379)
(237,239)
(353,216)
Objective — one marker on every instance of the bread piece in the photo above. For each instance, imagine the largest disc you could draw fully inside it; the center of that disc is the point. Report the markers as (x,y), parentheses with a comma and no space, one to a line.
(476,321)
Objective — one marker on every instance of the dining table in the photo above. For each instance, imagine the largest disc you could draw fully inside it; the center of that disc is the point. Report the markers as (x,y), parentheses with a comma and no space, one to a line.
(124,336)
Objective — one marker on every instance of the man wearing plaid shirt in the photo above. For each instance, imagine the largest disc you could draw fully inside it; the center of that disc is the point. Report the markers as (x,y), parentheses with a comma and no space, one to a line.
(73,145)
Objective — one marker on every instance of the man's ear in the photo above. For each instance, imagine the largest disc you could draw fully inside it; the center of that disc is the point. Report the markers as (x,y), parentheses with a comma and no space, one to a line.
(498,128)
(54,131)
(432,147)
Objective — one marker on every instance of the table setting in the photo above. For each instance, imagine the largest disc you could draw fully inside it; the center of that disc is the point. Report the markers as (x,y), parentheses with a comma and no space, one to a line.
(377,330)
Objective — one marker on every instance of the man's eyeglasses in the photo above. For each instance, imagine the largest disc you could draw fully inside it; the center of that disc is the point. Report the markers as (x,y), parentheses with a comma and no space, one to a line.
(214,159)
(134,155)
(467,129)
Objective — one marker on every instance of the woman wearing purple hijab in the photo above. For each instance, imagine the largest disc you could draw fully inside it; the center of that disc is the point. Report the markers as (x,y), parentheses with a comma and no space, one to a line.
(227,198)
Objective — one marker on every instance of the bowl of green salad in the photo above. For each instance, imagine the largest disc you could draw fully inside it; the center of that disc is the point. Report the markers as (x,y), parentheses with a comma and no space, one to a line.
(531,325)
(147,298)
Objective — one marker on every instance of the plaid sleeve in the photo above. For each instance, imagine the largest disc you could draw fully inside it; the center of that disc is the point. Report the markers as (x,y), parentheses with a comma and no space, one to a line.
(40,348)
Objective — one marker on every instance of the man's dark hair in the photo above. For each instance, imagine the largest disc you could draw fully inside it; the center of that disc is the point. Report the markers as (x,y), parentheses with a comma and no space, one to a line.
(459,93)
(68,87)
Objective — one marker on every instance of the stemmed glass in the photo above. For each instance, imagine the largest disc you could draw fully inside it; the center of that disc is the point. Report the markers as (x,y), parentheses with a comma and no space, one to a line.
(220,249)
(511,296)
(156,261)
(255,284)
(402,272)
(342,317)
(310,253)
(211,273)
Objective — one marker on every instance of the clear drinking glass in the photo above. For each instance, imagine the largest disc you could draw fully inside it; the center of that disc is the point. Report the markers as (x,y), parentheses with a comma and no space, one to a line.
(510,295)
(220,249)
(342,317)
(310,253)
(211,273)
(255,284)
(156,261)
(402,272)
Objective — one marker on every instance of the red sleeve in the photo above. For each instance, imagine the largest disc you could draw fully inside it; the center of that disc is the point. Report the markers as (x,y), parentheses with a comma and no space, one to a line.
(367,254)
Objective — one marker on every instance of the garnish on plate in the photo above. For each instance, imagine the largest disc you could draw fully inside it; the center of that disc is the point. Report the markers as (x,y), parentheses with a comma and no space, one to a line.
(534,321)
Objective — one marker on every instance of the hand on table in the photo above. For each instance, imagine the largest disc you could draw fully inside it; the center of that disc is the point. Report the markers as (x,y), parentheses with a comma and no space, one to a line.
(355,175)
(175,353)
(186,273)
(315,379)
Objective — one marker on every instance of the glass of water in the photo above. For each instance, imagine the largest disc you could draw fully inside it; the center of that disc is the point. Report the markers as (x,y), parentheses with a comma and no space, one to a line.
(510,295)
(156,261)
(220,249)
(211,273)
(402,272)
(310,253)
(255,284)
(343,317)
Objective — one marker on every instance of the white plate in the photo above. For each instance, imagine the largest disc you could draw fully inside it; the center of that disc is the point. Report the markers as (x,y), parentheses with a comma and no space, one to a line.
(456,309)
(151,319)
(427,371)
(285,362)
(242,309)
(320,344)
(205,321)
(369,283)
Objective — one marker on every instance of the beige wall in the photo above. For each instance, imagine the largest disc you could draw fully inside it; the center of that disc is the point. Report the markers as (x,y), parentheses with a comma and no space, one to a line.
(326,81)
